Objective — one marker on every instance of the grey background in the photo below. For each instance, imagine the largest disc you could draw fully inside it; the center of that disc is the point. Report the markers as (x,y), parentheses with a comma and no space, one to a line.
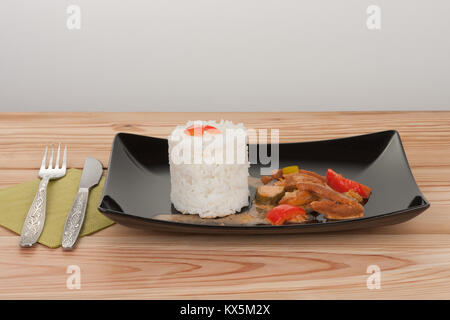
(224,55)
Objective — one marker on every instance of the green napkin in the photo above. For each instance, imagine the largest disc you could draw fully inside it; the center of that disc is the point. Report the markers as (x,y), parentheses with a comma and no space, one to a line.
(16,200)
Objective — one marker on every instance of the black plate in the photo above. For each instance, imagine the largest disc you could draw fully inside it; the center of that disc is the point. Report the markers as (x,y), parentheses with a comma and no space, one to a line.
(137,188)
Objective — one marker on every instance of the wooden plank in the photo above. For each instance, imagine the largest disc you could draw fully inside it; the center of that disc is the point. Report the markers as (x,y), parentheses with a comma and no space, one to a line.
(289,267)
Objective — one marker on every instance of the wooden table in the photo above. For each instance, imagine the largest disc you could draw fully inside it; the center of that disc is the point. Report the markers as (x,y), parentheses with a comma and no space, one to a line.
(122,263)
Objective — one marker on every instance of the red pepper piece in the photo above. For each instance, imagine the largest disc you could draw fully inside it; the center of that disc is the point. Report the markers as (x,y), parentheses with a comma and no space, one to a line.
(211,129)
(198,130)
(340,184)
(284,212)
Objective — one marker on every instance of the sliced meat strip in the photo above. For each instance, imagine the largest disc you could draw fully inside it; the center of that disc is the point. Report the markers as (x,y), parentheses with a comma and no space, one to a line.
(266,179)
(313,174)
(290,181)
(298,198)
(325,192)
(354,195)
(338,211)
(274,175)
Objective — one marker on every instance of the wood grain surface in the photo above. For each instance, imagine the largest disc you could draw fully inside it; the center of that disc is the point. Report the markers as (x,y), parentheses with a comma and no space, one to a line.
(123,263)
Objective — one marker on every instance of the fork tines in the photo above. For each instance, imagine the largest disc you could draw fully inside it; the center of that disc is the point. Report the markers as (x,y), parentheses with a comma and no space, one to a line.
(50,162)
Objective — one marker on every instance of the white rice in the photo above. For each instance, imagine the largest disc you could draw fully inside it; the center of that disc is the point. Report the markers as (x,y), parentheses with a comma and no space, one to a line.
(203,180)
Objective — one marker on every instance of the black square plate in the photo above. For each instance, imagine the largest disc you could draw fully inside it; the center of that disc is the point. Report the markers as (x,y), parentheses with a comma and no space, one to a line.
(137,188)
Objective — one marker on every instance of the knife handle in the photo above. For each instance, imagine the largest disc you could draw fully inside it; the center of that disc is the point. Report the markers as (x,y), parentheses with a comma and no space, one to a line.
(75,219)
(34,222)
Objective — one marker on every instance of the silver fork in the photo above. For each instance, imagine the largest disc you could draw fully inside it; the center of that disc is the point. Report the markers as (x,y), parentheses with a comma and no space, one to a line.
(34,222)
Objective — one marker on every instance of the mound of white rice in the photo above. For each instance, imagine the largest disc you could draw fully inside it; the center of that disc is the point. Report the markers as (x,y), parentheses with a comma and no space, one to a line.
(209,172)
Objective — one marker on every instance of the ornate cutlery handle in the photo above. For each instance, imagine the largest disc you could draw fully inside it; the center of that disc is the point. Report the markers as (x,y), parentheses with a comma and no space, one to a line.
(34,222)
(75,219)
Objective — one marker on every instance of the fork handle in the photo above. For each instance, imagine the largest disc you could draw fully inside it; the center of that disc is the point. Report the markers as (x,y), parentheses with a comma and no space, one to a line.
(34,222)
(75,219)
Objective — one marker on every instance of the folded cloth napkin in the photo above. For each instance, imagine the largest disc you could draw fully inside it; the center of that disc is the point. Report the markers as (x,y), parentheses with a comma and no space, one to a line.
(16,200)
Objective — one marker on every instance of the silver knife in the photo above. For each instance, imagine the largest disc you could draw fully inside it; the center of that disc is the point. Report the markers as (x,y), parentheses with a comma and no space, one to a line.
(92,172)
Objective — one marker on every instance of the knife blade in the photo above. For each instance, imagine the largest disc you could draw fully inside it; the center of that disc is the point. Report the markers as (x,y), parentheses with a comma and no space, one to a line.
(92,172)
